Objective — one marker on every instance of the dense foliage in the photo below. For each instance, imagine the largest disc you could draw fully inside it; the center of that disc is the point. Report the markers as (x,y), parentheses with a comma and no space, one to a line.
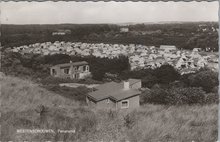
(14,62)
(205,79)
(183,35)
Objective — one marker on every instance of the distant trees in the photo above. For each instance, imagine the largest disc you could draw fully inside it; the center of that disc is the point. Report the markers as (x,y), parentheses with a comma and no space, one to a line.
(56,59)
(147,34)
(100,66)
(138,74)
(203,41)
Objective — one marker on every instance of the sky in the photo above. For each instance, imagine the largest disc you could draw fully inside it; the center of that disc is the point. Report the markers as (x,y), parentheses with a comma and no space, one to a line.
(106,12)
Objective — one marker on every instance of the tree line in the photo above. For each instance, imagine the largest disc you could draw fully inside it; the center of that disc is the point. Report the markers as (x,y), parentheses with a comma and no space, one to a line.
(182,35)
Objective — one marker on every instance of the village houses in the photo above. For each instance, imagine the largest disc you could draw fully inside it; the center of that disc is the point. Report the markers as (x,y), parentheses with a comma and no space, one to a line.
(140,56)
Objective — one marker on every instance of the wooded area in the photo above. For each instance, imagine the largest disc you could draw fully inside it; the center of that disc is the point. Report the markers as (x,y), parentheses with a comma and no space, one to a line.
(183,35)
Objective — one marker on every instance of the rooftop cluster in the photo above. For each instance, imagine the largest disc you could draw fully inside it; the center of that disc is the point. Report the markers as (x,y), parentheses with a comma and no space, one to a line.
(140,56)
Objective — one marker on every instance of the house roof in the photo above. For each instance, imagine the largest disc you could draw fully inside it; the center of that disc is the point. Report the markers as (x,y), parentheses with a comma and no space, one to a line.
(114,91)
(72,64)
(167,46)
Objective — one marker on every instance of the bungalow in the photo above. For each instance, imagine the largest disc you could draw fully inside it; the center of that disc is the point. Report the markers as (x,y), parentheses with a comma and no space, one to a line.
(124,29)
(168,48)
(61,32)
(116,96)
(73,70)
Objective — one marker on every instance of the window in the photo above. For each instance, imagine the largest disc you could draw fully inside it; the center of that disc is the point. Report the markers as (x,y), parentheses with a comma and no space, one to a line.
(54,72)
(75,68)
(66,71)
(87,68)
(84,68)
(76,76)
(125,104)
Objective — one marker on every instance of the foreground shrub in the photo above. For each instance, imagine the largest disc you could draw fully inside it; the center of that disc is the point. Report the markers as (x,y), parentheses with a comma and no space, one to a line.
(156,95)
(178,96)
(211,98)
(149,80)
(206,79)
(55,80)
(191,95)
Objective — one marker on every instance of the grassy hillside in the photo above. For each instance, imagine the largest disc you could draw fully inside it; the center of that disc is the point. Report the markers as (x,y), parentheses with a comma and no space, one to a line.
(25,105)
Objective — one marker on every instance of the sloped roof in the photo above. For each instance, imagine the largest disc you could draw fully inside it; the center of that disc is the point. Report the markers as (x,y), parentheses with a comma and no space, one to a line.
(72,64)
(114,91)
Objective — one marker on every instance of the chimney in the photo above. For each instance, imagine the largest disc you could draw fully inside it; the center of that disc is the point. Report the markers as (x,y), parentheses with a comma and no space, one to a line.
(126,85)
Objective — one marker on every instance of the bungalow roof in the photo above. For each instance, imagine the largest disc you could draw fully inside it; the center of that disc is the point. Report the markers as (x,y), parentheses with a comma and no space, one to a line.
(72,64)
(114,91)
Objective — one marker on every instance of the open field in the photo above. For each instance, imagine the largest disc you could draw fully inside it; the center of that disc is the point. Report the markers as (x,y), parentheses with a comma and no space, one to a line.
(27,106)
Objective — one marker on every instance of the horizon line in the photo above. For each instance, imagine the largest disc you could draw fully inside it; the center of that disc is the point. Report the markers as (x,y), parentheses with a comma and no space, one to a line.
(121,23)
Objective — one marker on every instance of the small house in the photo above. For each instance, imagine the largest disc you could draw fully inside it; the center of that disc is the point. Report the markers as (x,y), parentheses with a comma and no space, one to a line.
(116,96)
(124,29)
(61,32)
(73,70)
(168,48)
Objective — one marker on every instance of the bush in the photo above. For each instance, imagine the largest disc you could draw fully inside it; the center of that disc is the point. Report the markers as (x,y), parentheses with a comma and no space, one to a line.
(55,80)
(86,123)
(56,59)
(157,95)
(149,80)
(191,95)
(178,96)
(166,74)
(206,79)
(211,98)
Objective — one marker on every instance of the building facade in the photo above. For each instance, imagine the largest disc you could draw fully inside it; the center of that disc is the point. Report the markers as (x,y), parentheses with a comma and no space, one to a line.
(116,96)
(72,70)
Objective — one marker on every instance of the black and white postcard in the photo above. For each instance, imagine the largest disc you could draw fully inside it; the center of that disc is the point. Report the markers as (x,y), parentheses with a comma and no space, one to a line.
(109,71)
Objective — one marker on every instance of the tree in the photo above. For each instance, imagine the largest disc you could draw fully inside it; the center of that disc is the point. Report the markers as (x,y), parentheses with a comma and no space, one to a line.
(156,95)
(57,59)
(166,74)
(149,80)
(205,79)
